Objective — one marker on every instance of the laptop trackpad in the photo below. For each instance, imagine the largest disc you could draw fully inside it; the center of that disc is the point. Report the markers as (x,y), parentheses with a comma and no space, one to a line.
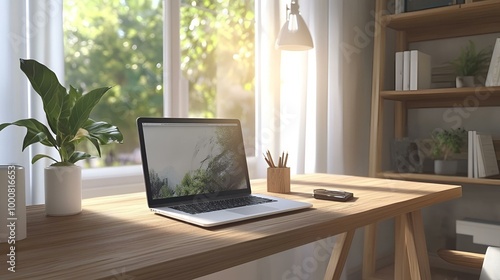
(252,210)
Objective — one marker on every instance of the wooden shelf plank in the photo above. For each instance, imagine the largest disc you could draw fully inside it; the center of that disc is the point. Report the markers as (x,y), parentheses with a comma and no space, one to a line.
(447,22)
(439,93)
(446,97)
(456,16)
(439,178)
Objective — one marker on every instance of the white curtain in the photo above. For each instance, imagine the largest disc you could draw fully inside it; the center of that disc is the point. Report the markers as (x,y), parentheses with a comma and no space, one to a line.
(34,31)
(13,93)
(13,86)
(45,46)
(326,92)
(315,104)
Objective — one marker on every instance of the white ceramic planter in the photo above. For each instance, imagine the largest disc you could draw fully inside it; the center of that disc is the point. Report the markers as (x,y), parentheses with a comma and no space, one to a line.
(63,190)
(465,81)
(446,167)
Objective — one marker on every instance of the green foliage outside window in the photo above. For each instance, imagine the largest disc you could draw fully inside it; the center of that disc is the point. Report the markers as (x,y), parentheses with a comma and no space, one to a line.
(120,43)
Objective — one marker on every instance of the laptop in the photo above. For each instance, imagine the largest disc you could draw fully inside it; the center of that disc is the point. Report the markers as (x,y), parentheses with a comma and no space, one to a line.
(195,170)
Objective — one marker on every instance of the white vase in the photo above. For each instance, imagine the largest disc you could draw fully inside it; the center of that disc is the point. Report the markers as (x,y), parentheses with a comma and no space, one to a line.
(63,190)
(446,167)
(464,81)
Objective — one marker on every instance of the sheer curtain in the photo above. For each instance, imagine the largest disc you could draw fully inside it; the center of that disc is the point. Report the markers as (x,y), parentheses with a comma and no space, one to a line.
(13,86)
(316,104)
(326,92)
(35,31)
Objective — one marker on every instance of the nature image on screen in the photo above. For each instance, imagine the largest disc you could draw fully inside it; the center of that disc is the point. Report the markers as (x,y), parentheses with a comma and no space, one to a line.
(196,159)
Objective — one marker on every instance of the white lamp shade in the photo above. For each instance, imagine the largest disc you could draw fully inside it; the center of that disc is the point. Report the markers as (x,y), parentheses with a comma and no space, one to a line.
(295,40)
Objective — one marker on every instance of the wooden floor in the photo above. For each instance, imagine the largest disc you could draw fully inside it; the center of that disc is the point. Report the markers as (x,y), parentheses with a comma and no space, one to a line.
(440,274)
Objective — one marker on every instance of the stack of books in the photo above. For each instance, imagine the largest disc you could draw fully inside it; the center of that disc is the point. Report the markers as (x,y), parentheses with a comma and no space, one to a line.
(412,70)
(482,160)
(443,76)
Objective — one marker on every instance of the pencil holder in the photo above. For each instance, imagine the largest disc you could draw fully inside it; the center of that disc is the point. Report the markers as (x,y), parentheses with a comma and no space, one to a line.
(278,180)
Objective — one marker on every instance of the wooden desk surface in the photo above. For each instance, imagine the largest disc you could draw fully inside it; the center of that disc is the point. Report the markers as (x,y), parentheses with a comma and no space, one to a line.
(118,236)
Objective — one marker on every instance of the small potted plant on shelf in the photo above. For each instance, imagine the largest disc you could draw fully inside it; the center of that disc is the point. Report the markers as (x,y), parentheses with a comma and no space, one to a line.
(469,64)
(446,144)
(67,114)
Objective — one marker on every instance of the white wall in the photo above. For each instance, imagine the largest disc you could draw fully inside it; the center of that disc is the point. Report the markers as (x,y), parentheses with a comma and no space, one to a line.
(359,22)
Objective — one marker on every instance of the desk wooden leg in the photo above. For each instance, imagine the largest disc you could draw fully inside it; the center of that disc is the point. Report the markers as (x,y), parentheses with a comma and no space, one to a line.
(411,259)
(419,252)
(339,255)
(369,251)
(401,263)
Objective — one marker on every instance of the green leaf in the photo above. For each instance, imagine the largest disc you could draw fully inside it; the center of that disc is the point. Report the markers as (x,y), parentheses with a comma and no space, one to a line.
(83,107)
(95,142)
(74,95)
(46,84)
(36,132)
(76,156)
(4,125)
(67,150)
(68,103)
(104,132)
(40,156)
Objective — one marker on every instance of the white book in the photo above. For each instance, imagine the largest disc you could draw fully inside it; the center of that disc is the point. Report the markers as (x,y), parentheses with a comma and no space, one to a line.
(479,159)
(470,153)
(406,70)
(420,70)
(487,160)
(398,71)
(493,77)
(400,7)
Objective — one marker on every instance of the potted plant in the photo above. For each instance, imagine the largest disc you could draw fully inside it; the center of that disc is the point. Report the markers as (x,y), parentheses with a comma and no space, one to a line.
(447,143)
(469,64)
(67,114)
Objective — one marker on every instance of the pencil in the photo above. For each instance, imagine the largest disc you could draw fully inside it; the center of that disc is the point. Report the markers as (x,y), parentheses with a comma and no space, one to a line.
(270,158)
(268,163)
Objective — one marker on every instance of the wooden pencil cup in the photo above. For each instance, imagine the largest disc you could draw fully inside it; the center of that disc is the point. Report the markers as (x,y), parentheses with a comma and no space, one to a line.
(278,180)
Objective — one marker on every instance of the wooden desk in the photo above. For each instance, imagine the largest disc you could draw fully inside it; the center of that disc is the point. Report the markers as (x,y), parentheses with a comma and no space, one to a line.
(118,236)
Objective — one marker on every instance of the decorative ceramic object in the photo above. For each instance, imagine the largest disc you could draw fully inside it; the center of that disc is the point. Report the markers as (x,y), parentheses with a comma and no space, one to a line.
(446,167)
(464,81)
(63,190)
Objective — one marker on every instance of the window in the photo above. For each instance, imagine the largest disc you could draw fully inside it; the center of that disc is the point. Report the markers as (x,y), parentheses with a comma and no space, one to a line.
(116,43)
(218,61)
(119,43)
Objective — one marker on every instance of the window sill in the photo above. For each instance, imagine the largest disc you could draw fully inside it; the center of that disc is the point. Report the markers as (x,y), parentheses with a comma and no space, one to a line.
(125,179)
(112,181)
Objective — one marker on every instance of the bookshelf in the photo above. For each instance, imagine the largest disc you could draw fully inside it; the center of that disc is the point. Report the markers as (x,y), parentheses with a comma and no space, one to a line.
(455,21)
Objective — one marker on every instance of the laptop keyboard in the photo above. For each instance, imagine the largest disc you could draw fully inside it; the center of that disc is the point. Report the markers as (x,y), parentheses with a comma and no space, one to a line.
(209,206)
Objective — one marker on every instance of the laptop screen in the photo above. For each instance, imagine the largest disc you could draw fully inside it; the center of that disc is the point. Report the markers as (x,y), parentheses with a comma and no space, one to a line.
(183,158)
